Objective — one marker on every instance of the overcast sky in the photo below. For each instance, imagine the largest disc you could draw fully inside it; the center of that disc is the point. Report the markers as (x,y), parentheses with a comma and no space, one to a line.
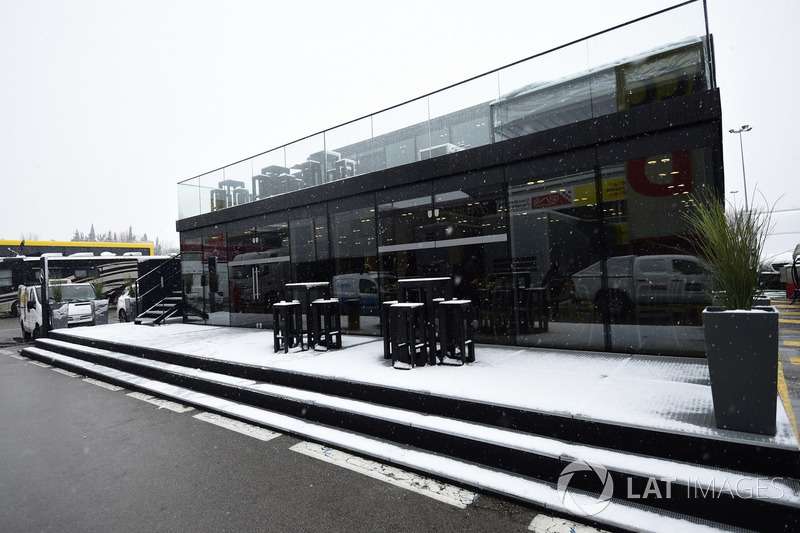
(106,104)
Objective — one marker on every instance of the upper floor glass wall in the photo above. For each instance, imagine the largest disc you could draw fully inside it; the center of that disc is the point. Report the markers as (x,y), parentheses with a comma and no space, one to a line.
(643,62)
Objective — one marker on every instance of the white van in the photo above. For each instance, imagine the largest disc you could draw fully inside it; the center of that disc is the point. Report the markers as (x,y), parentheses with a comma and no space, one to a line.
(645,280)
(78,296)
(368,289)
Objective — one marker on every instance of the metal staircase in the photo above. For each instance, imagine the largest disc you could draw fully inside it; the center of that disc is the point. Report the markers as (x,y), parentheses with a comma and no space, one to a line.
(166,308)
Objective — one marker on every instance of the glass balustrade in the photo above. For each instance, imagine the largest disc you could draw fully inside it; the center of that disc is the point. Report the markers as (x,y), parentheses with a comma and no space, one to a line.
(643,62)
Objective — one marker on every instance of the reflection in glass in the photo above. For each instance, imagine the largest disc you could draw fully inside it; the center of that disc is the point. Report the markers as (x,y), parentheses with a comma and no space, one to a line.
(270,175)
(308,243)
(356,281)
(341,140)
(259,268)
(192,270)
(307,160)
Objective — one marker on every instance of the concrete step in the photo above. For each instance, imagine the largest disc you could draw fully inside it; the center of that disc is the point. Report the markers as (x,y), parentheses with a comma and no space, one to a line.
(460,431)
(714,452)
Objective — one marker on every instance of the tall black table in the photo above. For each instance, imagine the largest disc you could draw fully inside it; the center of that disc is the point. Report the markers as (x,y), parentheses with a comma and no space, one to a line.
(426,291)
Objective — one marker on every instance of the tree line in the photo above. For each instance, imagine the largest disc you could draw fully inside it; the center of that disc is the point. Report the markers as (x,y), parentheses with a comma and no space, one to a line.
(121,236)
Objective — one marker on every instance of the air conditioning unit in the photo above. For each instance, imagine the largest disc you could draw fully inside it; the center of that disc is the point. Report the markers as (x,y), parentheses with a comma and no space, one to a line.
(436,151)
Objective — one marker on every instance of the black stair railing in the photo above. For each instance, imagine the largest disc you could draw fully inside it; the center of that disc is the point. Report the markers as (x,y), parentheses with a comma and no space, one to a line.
(160,295)
(166,285)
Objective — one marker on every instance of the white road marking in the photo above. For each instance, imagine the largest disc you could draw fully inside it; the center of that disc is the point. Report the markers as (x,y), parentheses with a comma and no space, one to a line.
(238,426)
(67,372)
(161,403)
(14,354)
(43,365)
(431,488)
(103,384)
(550,524)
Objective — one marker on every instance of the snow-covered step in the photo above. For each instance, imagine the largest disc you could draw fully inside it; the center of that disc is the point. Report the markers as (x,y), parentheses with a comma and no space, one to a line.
(615,513)
(657,436)
(686,476)
(670,485)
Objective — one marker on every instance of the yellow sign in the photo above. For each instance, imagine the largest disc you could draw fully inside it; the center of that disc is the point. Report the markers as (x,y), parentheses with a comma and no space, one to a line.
(613,189)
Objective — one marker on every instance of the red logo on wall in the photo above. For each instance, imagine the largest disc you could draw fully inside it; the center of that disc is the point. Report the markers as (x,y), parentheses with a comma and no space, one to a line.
(680,178)
(551,200)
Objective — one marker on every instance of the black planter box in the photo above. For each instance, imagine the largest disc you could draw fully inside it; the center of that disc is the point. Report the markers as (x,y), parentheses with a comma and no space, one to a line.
(742,351)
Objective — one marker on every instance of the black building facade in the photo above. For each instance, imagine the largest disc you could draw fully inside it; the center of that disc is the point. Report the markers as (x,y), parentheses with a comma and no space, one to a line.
(557,208)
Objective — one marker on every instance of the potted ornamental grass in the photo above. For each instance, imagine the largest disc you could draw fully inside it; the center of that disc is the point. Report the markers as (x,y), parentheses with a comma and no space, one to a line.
(59,309)
(741,337)
(100,302)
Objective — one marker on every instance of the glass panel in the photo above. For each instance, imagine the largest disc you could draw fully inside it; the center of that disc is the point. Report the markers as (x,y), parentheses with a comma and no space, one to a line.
(353,142)
(352,227)
(189,198)
(470,206)
(665,30)
(306,160)
(402,132)
(550,91)
(192,268)
(471,240)
(656,288)
(543,70)
(661,76)
(555,232)
(406,231)
(211,199)
(460,115)
(214,281)
(308,237)
(233,188)
(259,268)
(270,175)
(353,238)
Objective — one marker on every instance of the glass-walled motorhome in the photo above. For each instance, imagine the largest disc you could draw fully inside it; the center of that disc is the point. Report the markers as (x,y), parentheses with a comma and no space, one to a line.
(565,195)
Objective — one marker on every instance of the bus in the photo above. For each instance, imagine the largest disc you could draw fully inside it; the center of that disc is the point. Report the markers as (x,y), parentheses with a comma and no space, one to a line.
(114,271)
(10,248)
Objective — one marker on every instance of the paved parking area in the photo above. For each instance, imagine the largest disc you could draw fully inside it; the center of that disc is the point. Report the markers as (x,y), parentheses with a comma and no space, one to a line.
(789,350)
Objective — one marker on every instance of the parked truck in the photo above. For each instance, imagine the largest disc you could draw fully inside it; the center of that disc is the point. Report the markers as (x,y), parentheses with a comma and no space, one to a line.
(633,281)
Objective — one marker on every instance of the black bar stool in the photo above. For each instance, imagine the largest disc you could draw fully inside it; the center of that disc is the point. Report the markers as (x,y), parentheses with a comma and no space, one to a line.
(305,293)
(536,308)
(407,335)
(455,331)
(326,324)
(387,345)
(287,325)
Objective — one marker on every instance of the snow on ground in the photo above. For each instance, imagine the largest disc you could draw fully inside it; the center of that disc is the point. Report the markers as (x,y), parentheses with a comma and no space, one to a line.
(670,394)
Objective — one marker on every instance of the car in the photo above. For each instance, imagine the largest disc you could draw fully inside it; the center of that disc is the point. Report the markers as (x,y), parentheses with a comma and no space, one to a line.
(126,307)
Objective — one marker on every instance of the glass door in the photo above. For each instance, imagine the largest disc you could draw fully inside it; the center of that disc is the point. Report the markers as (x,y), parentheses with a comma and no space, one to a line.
(258,270)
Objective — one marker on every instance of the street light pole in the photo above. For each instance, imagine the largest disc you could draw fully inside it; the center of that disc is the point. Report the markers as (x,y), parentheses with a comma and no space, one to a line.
(734,198)
(741,150)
